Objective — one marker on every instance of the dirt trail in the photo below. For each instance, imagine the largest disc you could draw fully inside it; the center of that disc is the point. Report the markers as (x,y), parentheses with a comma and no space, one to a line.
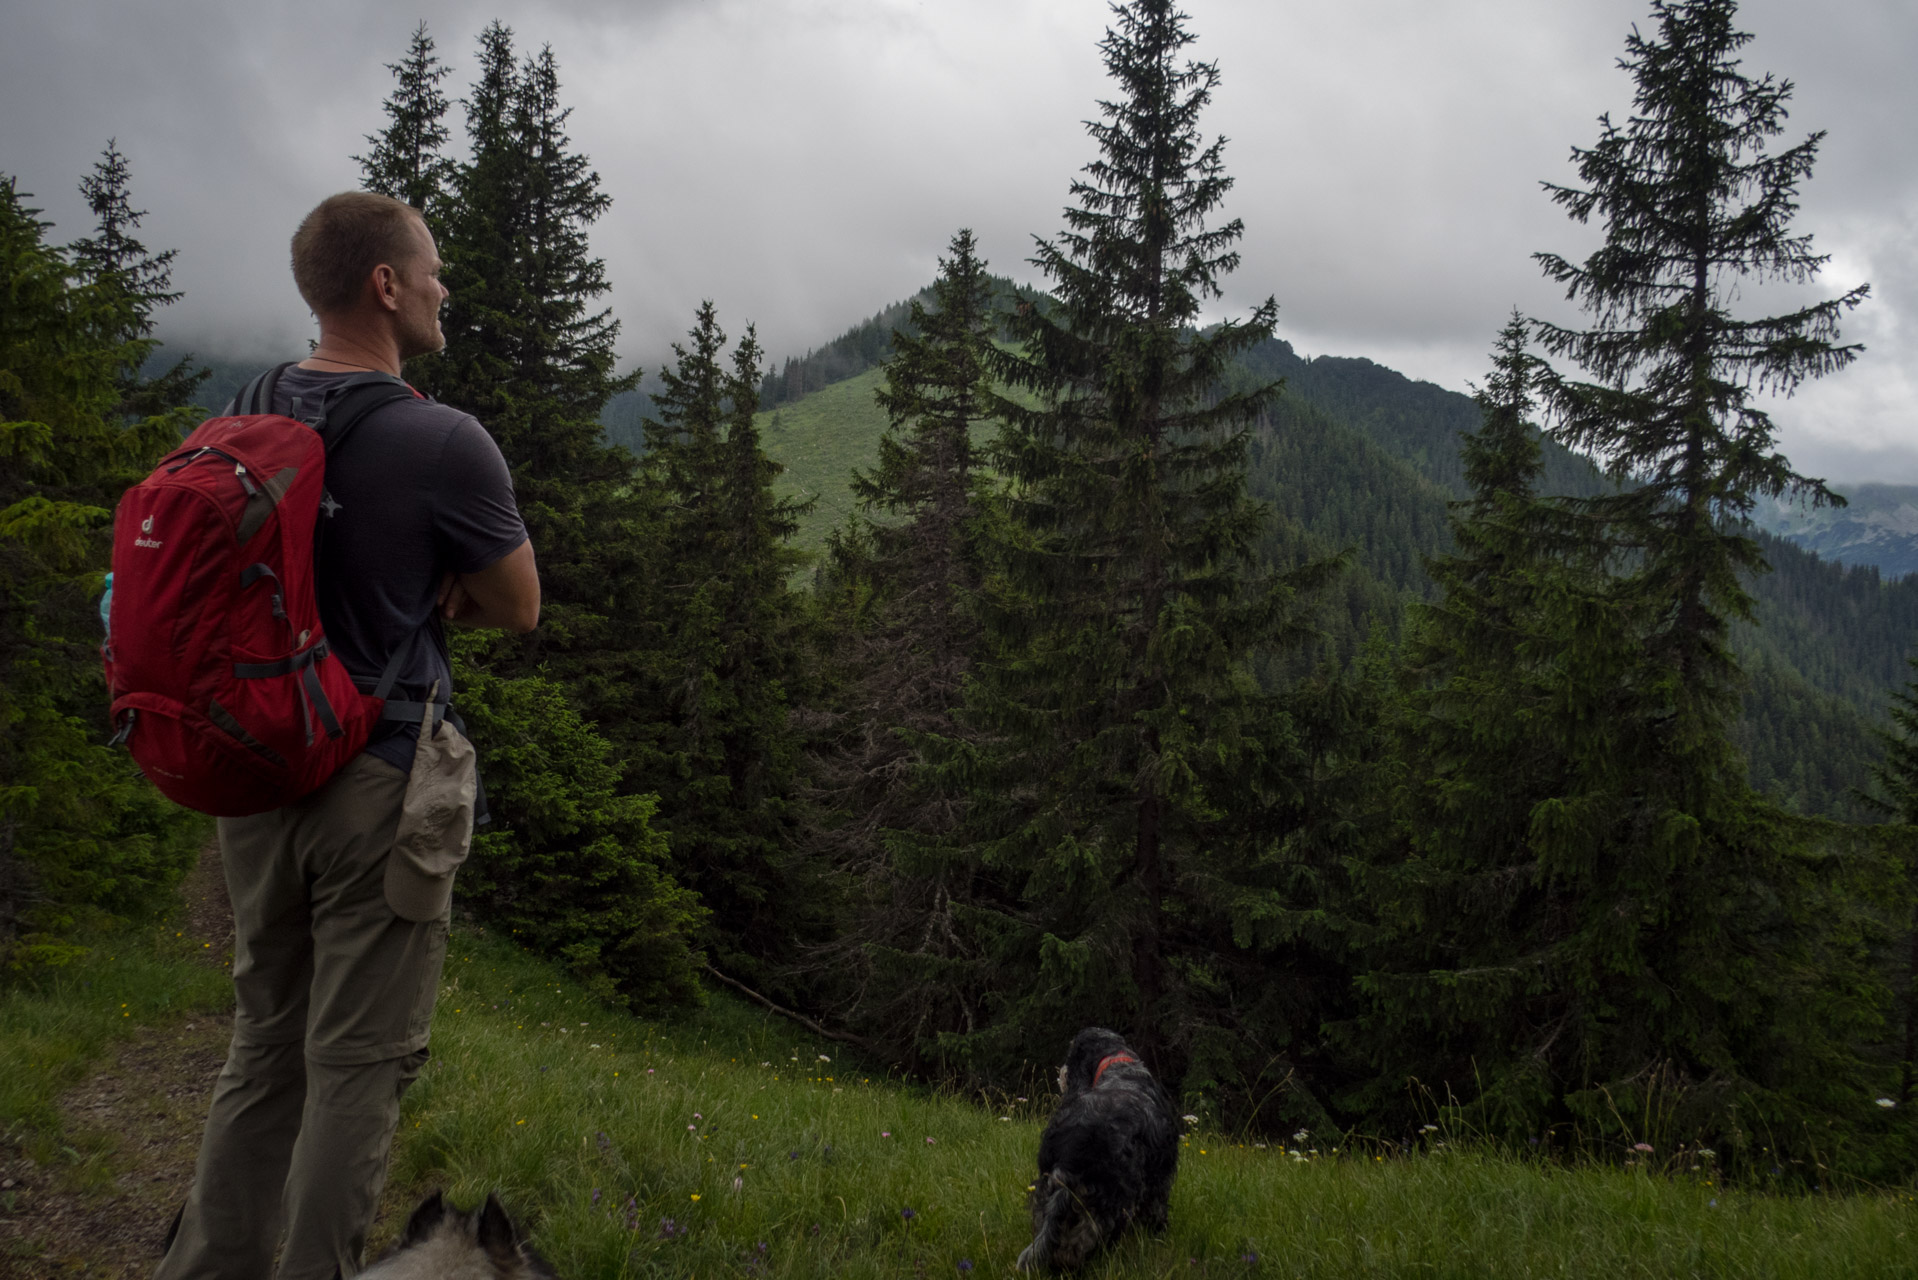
(135,1123)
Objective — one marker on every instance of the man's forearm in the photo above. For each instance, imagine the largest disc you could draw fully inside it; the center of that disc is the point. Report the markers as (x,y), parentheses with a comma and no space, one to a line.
(505,594)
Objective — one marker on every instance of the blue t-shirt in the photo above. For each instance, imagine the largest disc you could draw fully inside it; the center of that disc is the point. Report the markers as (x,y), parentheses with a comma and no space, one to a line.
(418,489)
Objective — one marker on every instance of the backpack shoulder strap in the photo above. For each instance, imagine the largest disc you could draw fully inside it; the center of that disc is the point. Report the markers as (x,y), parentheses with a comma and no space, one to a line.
(348,404)
(257,395)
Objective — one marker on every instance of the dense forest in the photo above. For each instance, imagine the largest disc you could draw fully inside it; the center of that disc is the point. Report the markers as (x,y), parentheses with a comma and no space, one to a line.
(1362,750)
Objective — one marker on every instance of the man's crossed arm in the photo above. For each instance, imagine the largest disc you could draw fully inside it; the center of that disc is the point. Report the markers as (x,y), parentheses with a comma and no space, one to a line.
(505,594)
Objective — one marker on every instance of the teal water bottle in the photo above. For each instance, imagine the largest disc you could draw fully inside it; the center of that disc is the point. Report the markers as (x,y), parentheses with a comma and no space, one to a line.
(106,603)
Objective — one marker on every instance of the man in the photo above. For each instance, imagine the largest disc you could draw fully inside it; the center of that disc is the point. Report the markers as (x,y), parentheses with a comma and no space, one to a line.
(337,962)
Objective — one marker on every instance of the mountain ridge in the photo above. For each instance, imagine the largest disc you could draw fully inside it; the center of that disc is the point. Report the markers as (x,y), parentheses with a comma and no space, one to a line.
(1878,526)
(1354,455)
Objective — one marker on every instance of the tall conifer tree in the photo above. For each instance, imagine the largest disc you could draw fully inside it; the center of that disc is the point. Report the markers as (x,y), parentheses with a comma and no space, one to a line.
(577,869)
(531,357)
(713,732)
(904,967)
(137,282)
(1696,206)
(1897,777)
(1677,920)
(1128,603)
(1469,996)
(406,160)
(83,838)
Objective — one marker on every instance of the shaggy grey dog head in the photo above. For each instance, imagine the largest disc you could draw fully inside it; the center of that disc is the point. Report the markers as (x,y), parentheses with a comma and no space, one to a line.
(443,1243)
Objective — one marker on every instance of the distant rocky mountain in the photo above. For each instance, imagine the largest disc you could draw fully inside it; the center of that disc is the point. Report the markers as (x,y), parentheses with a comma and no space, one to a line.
(1878,526)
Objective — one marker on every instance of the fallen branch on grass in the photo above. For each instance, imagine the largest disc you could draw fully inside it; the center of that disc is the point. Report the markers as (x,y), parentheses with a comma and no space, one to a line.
(844,1037)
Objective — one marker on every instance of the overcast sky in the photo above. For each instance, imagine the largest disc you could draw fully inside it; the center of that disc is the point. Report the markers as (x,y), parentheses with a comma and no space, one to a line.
(803,162)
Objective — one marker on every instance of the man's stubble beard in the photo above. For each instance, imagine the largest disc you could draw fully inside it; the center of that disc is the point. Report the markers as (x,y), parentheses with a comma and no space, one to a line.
(423,342)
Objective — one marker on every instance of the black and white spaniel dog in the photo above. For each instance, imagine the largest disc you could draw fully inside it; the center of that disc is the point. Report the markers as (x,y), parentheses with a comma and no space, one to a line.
(1107,1157)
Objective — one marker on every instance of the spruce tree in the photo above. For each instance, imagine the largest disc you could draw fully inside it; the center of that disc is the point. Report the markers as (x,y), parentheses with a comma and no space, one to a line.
(713,732)
(1119,625)
(136,282)
(903,969)
(572,865)
(577,868)
(1694,959)
(1897,778)
(405,160)
(1696,207)
(528,354)
(1462,982)
(84,840)
(477,235)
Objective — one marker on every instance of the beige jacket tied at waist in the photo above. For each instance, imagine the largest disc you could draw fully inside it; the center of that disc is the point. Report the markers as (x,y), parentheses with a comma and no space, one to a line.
(436,819)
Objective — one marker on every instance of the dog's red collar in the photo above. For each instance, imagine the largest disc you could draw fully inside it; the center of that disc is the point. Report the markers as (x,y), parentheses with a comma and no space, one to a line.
(1108,1061)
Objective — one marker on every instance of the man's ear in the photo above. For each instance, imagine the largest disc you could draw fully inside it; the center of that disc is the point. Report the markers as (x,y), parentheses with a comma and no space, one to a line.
(384,282)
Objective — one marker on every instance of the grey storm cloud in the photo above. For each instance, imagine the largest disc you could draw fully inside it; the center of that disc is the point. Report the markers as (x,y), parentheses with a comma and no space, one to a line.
(804,162)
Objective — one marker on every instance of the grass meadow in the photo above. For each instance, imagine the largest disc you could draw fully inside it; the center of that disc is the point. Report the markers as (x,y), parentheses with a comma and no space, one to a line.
(55,1026)
(819,440)
(735,1144)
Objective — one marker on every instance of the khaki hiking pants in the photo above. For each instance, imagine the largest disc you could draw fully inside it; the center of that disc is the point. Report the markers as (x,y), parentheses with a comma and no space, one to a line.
(335,998)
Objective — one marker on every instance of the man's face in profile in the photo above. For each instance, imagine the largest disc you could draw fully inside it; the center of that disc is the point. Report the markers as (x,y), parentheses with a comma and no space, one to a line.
(421,297)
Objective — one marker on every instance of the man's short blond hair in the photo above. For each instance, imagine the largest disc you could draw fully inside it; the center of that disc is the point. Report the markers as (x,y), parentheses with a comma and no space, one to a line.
(343,239)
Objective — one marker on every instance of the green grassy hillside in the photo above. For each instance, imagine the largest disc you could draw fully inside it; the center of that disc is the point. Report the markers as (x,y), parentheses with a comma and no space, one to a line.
(819,439)
(734,1144)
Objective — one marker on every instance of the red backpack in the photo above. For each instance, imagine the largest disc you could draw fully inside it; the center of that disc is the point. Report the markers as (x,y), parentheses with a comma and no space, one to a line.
(224,688)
